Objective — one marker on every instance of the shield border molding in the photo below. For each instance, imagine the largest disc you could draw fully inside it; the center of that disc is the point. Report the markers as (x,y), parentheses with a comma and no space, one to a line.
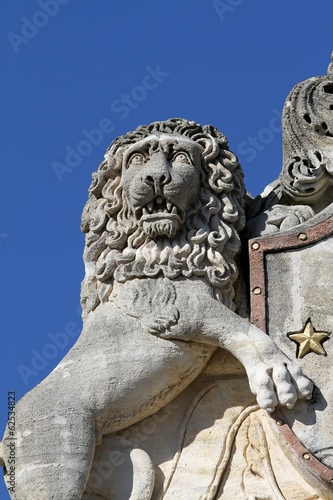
(259,248)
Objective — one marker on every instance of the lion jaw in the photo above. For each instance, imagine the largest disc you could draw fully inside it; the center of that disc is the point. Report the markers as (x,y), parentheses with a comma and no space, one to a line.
(159,228)
(160,217)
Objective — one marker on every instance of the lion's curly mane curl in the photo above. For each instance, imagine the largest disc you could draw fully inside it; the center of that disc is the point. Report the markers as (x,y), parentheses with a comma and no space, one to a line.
(118,250)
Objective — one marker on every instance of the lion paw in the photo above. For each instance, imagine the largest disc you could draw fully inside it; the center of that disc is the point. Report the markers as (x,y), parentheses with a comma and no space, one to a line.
(152,302)
(283,384)
(160,324)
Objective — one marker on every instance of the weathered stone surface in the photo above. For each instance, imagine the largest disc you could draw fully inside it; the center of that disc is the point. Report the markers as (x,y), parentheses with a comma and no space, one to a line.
(166,392)
(291,270)
(305,185)
(162,226)
(307,296)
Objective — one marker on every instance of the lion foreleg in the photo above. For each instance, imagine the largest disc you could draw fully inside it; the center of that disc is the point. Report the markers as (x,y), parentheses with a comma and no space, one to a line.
(273,378)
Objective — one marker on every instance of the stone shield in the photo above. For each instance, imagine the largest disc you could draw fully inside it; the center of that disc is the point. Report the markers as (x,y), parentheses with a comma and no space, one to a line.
(291,285)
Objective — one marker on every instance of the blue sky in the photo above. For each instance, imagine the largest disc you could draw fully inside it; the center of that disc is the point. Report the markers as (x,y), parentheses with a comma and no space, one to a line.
(76,74)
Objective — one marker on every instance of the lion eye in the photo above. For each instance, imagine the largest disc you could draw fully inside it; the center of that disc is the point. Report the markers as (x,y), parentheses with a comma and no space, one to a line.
(136,159)
(181,157)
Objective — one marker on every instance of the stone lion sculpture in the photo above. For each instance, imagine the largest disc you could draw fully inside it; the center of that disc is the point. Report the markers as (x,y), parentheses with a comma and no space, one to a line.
(161,224)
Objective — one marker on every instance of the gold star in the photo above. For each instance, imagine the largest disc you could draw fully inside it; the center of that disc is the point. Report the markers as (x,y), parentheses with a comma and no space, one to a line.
(309,340)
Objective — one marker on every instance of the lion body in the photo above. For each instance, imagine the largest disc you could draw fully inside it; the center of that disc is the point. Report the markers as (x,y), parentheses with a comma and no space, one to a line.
(97,389)
(141,371)
(136,286)
(161,225)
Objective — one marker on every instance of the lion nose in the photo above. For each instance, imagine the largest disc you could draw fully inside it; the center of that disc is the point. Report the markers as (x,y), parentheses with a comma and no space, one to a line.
(158,172)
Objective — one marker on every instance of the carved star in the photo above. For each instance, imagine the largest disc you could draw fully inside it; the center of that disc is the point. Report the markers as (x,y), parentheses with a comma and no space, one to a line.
(309,340)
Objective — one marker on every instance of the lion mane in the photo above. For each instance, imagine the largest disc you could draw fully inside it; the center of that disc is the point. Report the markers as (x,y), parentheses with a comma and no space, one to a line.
(116,247)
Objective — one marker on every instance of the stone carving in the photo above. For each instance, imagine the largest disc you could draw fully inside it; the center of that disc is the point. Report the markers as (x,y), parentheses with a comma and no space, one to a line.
(291,271)
(304,331)
(305,186)
(309,340)
(161,224)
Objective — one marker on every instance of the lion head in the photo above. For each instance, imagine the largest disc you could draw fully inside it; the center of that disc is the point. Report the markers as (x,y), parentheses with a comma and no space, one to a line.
(166,201)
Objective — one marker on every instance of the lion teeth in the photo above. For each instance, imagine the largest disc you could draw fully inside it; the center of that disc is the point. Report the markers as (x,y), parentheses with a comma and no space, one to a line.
(159,206)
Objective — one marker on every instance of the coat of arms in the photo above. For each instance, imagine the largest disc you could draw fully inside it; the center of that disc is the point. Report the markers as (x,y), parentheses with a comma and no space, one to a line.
(291,267)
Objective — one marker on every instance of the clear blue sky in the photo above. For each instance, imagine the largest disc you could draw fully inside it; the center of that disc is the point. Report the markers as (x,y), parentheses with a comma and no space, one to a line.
(76,74)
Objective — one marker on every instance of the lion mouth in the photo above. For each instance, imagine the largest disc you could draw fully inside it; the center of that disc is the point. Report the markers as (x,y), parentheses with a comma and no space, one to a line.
(160,208)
